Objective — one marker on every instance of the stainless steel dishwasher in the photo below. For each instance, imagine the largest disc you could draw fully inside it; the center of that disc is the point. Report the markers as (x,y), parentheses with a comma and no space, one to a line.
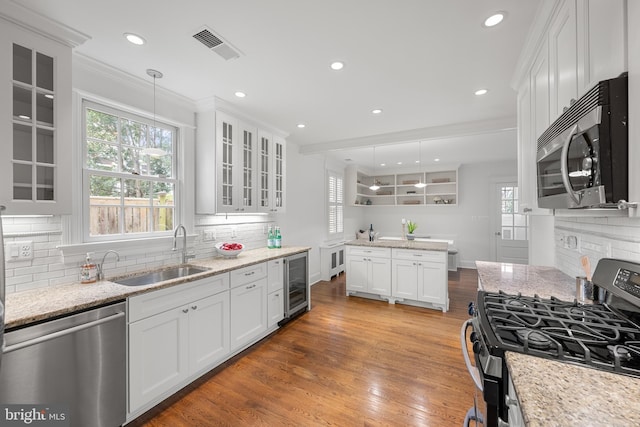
(77,363)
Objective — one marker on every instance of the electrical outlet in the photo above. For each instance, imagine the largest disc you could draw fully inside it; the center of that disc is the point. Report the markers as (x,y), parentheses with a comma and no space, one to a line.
(234,232)
(209,235)
(19,251)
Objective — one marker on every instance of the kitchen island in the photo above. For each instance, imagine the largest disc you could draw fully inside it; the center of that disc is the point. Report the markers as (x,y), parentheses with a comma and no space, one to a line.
(399,271)
(550,392)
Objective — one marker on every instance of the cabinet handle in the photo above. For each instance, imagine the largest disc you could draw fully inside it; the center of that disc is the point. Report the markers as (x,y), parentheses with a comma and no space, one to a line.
(185,310)
(251,286)
(277,262)
(277,295)
(251,273)
(527,210)
(194,307)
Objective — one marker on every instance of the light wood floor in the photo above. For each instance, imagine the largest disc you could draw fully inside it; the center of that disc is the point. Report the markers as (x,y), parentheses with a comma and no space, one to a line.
(348,362)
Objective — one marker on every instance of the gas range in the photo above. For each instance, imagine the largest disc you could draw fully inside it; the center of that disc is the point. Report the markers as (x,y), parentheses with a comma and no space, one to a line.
(596,336)
(603,336)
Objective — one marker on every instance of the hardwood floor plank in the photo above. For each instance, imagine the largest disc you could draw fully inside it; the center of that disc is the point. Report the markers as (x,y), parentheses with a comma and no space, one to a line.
(349,361)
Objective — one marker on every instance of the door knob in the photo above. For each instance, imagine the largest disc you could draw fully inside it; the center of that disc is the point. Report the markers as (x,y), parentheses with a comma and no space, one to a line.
(498,233)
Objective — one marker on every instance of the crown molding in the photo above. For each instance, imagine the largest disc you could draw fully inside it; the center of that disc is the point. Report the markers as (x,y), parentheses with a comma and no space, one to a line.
(42,25)
(220,104)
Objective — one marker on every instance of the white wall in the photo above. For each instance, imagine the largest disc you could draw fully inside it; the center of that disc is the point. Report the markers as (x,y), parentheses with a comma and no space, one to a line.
(468,223)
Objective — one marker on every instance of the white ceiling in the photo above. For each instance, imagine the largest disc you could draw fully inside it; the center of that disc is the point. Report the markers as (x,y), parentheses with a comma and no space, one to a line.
(418,60)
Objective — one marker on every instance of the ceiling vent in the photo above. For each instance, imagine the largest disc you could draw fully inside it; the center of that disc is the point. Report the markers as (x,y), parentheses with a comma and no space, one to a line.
(216,43)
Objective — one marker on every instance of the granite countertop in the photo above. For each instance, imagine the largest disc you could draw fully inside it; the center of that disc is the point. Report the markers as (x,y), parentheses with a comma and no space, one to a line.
(553,393)
(23,308)
(401,244)
(550,392)
(527,279)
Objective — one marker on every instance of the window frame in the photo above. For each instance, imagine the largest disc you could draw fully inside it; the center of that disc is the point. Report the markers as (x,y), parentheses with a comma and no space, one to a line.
(129,114)
(338,203)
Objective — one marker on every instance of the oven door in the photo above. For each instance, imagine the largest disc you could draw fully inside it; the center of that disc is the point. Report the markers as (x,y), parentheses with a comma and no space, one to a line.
(569,167)
(476,415)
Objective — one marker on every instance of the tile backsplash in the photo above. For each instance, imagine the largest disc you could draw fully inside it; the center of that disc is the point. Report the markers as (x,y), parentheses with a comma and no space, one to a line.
(613,237)
(48,268)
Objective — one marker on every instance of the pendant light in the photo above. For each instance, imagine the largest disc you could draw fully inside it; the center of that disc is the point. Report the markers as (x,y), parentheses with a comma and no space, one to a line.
(154,151)
(420,184)
(375,186)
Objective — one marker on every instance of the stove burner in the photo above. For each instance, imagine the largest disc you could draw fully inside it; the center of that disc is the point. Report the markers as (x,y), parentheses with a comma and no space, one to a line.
(534,339)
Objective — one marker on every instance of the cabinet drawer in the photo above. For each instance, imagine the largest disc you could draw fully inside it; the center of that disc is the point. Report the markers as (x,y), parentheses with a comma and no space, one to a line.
(249,274)
(410,254)
(368,251)
(145,305)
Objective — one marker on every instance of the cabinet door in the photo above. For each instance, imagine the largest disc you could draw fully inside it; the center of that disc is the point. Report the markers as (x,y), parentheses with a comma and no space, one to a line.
(278,175)
(208,331)
(158,348)
(380,276)
(265,150)
(36,123)
(246,159)
(275,275)
(226,151)
(432,282)
(275,308)
(248,312)
(404,281)
(563,62)
(601,41)
(540,93)
(357,273)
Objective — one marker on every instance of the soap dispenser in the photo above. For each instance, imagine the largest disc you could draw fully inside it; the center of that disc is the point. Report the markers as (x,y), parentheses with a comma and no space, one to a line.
(88,274)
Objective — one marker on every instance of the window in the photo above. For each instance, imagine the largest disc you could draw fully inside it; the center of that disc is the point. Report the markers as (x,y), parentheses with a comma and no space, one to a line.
(514,225)
(336,204)
(129,179)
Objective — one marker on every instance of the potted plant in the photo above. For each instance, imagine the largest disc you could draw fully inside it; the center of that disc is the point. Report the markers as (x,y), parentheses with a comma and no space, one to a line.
(411,226)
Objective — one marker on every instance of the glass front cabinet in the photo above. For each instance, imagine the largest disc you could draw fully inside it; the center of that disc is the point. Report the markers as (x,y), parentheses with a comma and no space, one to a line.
(35,123)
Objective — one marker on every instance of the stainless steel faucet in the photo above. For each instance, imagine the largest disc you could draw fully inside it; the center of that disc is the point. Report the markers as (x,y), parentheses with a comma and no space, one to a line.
(185,257)
(100,271)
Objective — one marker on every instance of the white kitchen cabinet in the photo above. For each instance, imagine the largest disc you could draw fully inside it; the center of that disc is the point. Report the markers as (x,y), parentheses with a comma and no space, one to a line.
(563,61)
(271,172)
(275,290)
(601,27)
(248,296)
(369,270)
(236,154)
(36,122)
(420,275)
(174,334)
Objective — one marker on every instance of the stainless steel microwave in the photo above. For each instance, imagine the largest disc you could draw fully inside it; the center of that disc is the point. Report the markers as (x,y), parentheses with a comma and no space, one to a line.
(582,157)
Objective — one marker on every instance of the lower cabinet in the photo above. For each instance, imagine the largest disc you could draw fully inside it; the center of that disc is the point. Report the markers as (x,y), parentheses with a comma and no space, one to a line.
(275,289)
(248,304)
(175,333)
(420,275)
(369,270)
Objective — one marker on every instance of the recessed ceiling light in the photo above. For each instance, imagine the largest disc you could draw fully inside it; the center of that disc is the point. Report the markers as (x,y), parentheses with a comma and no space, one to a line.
(376,111)
(436,160)
(337,65)
(135,39)
(480,92)
(417,161)
(399,163)
(494,19)
(301,125)
(383,164)
(240,94)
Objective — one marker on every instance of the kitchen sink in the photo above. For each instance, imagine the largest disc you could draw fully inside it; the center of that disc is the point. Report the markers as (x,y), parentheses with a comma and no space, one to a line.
(160,275)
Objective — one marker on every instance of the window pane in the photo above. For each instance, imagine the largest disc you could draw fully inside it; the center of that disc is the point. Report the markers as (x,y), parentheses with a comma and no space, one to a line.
(101,156)
(105,187)
(520,233)
(163,219)
(133,133)
(161,166)
(507,220)
(506,234)
(101,126)
(520,220)
(136,219)
(22,142)
(131,160)
(104,219)
(44,147)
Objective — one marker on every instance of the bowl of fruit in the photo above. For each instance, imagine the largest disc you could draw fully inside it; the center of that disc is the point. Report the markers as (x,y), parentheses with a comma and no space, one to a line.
(229,249)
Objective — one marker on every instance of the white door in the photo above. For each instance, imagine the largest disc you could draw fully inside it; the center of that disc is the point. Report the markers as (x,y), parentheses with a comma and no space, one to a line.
(208,331)
(512,228)
(380,276)
(405,279)
(248,312)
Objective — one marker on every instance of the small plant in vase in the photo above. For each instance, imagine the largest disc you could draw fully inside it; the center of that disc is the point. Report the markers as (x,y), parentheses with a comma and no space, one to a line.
(411,227)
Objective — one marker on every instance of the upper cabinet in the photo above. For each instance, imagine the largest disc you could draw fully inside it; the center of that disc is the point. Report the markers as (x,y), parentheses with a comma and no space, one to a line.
(239,168)
(583,43)
(35,122)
